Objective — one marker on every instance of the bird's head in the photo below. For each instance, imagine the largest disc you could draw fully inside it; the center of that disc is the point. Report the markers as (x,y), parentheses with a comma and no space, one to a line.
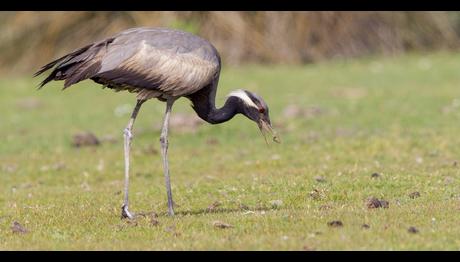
(255,108)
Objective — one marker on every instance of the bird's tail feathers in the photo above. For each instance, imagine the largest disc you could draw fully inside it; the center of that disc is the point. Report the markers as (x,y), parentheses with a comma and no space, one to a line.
(73,67)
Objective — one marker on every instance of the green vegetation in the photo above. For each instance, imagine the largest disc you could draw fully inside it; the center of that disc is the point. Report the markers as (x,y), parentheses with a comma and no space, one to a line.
(398,117)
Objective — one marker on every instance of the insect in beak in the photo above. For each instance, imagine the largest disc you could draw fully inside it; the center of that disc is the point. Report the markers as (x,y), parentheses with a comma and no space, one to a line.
(266,128)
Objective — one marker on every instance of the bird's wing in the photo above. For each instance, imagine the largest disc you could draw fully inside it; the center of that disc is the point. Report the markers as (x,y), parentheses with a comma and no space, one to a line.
(76,66)
(173,71)
(172,62)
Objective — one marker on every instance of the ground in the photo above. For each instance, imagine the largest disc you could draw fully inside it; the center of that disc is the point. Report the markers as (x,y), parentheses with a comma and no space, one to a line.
(351,130)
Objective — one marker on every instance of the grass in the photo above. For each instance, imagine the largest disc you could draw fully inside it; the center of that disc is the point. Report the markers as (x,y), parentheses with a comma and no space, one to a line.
(398,117)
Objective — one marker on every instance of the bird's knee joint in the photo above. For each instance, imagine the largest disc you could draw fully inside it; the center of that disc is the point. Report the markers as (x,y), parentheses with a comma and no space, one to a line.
(127,133)
(163,141)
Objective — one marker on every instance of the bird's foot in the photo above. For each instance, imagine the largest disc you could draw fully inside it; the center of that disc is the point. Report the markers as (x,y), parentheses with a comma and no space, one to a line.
(125,213)
(171,208)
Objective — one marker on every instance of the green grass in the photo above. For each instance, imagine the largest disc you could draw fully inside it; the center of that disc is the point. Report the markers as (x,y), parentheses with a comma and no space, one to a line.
(399,117)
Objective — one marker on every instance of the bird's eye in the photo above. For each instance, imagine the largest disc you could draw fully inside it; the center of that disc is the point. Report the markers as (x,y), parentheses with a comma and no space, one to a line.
(261,110)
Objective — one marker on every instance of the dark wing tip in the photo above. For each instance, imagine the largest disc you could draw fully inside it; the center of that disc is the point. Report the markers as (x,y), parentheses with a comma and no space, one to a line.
(39,72)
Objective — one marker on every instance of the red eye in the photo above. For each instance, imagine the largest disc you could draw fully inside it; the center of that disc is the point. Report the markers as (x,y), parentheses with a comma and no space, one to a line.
(262,110)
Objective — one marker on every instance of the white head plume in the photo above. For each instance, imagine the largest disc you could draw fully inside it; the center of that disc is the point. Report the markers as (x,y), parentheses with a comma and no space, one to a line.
(243,96)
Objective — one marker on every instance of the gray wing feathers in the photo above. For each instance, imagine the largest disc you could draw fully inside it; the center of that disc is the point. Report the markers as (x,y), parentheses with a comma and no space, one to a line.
(165,70)
(169,61)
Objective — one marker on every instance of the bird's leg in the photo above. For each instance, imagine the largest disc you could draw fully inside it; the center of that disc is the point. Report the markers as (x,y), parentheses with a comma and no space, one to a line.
(164,153)
(128,136)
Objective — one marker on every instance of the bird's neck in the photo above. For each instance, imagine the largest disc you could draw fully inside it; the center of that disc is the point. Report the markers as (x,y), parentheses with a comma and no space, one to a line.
(225,113)
(203,103)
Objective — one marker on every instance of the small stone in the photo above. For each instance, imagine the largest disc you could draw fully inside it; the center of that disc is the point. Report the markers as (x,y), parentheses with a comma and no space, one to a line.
(412,230)
(375,175)
(365,226)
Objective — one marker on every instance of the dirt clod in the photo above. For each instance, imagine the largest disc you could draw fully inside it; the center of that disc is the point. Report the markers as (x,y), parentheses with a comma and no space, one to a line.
(414,194)
(220,224)
(412,230)
(335,223)
(18,228)
(85,139)
(373,202)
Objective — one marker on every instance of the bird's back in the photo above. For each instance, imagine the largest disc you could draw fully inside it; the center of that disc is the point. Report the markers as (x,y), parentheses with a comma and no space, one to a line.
(170,39)
(153,60)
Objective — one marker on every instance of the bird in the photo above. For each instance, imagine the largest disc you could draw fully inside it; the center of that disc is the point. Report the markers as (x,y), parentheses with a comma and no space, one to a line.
(161,63)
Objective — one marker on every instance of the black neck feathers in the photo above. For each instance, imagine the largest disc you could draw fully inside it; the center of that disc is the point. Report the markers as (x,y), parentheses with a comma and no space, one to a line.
(203,102)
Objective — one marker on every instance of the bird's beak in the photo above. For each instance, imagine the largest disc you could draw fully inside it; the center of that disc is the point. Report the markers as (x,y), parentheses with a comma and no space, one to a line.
(266,128)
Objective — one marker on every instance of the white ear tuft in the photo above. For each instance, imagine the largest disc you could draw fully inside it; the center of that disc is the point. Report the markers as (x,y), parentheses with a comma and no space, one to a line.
(242,94)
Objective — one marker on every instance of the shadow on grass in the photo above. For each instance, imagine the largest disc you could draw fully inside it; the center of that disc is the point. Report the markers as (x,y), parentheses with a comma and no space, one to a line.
(220,210)
(205,211)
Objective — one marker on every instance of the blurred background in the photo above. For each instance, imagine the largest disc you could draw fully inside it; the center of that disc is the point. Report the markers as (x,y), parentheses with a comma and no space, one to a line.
(30,39)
